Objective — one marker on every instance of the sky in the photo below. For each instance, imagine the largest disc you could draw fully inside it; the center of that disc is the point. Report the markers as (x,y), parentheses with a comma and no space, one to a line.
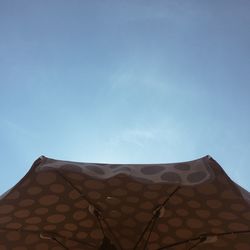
(115,81)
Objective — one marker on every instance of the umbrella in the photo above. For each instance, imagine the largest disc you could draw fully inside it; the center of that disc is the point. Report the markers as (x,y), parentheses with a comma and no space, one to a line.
(68,205)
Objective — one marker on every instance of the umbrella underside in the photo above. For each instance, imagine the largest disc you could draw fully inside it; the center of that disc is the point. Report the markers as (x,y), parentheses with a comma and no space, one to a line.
(66,205)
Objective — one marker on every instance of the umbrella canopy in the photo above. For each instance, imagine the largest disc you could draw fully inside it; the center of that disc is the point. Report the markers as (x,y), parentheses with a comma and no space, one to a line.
(68,205)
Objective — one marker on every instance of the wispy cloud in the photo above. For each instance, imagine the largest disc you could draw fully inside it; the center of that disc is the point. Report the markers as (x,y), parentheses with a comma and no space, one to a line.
(142,76)
(166,141)
(138,137)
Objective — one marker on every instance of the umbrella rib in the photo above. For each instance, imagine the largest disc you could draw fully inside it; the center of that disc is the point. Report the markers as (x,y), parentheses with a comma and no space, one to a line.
(171,194)
(149,234)
(111,232)
(101,219)
(156,215)
(96,211)
(74,187)
(202,238)
(59,242)
(48,233)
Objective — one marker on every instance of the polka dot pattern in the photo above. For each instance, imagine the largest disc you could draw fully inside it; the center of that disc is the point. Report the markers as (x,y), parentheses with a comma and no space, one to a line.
(46,201)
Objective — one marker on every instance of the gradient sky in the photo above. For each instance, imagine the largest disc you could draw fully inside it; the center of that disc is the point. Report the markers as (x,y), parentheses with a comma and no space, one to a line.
(124,82)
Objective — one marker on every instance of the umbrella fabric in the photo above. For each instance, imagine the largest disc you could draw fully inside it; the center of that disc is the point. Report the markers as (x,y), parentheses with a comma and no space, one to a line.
(69,205)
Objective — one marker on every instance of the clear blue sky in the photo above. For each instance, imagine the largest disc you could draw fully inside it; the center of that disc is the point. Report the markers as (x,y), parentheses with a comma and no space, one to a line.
(124,81)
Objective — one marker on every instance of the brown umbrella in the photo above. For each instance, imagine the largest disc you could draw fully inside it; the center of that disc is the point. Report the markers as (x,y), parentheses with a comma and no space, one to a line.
(68,205)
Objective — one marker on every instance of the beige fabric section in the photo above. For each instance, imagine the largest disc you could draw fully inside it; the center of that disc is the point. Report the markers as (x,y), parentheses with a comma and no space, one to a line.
(188,173)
